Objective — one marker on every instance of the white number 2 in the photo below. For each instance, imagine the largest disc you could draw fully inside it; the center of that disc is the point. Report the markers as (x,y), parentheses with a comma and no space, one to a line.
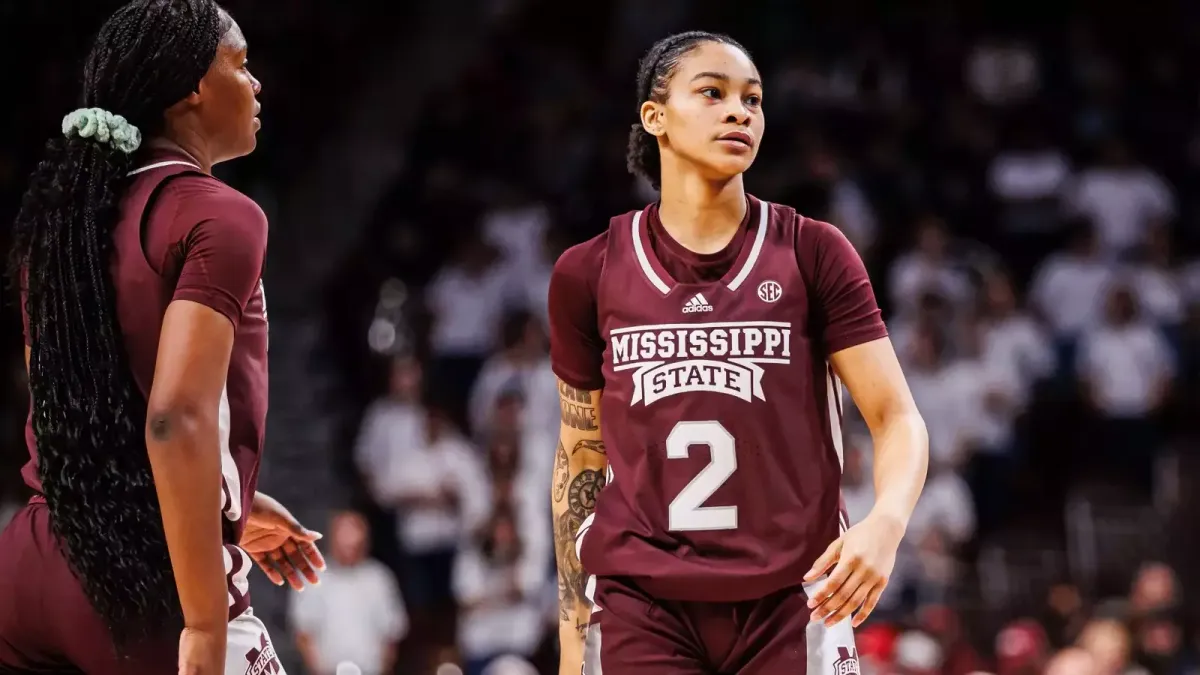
(686,512)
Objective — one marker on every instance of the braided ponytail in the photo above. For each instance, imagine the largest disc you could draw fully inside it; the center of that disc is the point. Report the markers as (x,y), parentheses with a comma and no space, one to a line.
(88,413)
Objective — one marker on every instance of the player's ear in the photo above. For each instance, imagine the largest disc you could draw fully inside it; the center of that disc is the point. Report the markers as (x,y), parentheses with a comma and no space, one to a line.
(652,118)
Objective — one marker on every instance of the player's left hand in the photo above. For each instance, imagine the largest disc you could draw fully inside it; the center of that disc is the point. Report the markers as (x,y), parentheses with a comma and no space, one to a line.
(282,547)
(862,560)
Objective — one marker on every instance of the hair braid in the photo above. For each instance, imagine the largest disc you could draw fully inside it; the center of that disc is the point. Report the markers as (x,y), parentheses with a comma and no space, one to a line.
(654,74)
(88,413)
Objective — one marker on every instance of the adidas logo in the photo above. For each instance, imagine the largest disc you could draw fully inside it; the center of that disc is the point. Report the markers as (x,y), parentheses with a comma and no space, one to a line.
(697,304)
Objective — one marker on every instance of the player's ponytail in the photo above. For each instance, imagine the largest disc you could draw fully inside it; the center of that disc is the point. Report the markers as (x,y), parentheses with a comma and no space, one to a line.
(88,413)
(654,74)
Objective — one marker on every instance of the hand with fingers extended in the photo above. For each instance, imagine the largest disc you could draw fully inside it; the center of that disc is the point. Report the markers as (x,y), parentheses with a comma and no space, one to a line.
(862,560)
(284,549)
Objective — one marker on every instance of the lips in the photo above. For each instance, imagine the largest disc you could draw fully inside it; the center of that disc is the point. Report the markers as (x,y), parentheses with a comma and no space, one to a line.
(738,137)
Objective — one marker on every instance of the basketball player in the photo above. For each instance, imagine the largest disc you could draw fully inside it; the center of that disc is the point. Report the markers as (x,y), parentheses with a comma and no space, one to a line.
(700,346)
(146,338)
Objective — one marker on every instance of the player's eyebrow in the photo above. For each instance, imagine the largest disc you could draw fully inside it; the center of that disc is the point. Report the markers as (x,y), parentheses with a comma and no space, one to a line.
(708,74)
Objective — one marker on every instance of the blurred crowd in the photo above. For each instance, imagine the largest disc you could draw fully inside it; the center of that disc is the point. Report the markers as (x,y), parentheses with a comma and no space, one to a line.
(1023,192)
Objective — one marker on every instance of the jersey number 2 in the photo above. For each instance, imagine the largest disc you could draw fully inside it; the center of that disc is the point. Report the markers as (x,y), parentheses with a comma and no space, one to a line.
(687,512)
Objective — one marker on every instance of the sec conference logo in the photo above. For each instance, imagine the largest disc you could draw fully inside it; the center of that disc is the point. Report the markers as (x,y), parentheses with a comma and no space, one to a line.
(769,291)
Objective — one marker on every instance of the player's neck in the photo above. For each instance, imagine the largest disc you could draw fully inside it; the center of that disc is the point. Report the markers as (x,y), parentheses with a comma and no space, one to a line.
(701,215)
(189,144)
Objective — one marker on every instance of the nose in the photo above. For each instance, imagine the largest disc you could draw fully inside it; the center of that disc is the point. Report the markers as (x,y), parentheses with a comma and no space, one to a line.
(737,114)
(256,85)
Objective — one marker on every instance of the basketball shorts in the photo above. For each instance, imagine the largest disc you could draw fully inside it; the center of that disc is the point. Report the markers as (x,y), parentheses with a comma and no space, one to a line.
(634,634)
(47,624)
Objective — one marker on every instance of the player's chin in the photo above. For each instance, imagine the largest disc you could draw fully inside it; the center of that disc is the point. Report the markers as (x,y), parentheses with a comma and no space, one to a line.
(730,165)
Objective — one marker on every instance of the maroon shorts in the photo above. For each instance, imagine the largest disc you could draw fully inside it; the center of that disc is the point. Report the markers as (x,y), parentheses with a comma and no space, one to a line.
(47,624)
(634,634)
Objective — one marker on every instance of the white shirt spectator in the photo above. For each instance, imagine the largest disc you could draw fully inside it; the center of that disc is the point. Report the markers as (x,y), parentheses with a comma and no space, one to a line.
(466,310)
(1159,293)
(1002,73)
(390,431)
(1124,366)
(1069,291)
(535,381)
(938,396)
(976,425)
(913,275)
(1122,203)
(1020,176)
(492,622)
(1017,353)
(424,470)
(517,233)
(352,615)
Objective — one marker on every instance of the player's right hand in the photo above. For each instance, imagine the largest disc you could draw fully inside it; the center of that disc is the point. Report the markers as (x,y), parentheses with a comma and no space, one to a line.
(202,652)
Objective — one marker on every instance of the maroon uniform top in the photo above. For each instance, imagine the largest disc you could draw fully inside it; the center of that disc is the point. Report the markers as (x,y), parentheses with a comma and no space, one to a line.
(204,242)
(720,412)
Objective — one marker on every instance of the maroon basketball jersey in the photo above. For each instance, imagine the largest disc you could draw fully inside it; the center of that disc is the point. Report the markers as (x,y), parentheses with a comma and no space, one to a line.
(721,418)
(143,293)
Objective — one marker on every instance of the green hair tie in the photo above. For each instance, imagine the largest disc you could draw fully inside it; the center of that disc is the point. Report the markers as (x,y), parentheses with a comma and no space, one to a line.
(104,127)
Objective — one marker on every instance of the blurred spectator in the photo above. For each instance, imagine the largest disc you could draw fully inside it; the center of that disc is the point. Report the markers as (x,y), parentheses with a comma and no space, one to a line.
(942,522)
(522,365)
(988,403)
(1068,288)
(356,613)
(930,377)
(1014,345)
(1073,661)
(1122,197)
(1002,71)
(1155,588)
(928,268)
(438,489)
(1021,649)
(1108,642)
(467,298)
(393,425)
(918,654)
(1125,368)
(497,582)
(945,625)
(1156,281)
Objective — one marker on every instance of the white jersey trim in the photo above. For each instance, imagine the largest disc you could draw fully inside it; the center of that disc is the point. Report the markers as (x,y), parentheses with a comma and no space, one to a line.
(764,208)
(159,165)
(640,250)
(760,238)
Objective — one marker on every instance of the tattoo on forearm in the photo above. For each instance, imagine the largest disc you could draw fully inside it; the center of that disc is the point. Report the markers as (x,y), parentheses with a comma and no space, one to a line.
(581,501)
(578,409)
(581,498)
(577,416)
(569,393)
(565,598)
(562,474)
(571,580)
(589,444)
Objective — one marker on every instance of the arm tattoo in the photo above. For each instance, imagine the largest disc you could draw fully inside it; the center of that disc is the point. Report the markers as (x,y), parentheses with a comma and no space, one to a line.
(571,580)
(562,473)
(578,410)
(581,500)
(589,444)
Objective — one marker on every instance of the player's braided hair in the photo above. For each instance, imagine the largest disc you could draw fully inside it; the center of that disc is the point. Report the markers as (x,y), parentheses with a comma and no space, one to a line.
(88,414)
(654,76)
